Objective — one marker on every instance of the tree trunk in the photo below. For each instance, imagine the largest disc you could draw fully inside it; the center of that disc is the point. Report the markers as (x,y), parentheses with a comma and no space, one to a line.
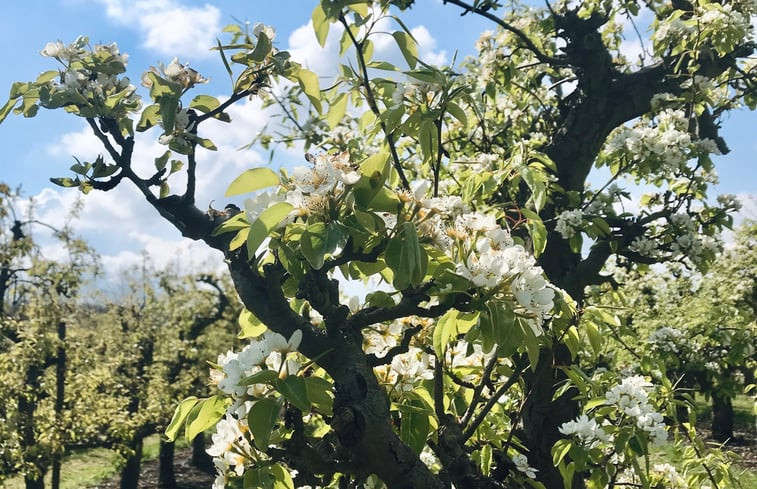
(166,477)
(200,457)
(130,471)
(35,481)
(722,417)
(60,391)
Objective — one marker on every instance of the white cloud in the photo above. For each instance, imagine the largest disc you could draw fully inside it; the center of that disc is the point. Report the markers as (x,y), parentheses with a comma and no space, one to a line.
(426,46)
(168,27)
(304,48)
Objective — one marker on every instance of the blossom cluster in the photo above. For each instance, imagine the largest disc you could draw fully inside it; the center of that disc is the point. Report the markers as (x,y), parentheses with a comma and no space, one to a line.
(232,448)
(666,340)
(309,188)
(724,24)
(666,144)
(632,411)
(586,429)
(90,77)
(632,398)
(569,223)
(521,463)
(485,253)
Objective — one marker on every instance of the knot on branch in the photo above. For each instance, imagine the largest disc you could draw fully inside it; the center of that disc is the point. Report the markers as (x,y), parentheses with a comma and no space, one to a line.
(349,426)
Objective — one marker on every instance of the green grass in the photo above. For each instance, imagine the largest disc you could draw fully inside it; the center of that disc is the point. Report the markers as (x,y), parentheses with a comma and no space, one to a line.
(88,467)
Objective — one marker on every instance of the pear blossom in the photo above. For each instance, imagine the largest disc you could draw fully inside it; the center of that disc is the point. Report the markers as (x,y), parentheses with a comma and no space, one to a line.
(521,463)
(569,223)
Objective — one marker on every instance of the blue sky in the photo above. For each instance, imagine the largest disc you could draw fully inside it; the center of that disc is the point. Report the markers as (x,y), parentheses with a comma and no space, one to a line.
(119,224)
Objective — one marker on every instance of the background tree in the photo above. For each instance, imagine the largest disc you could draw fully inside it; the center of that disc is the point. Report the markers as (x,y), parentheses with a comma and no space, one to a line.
(699,329)
(450,183)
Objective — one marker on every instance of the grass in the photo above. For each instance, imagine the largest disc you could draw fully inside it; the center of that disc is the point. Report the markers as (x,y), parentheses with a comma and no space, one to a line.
(88,467)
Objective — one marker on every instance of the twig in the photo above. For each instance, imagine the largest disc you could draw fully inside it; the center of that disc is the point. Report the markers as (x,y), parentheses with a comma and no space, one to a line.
(369,97)
(509,27)
(492,401)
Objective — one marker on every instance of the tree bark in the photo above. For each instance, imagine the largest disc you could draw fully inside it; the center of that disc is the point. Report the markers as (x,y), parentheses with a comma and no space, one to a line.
(60,391)
(722,417)
(34,481)
(200,457)
(130,471)
(166,476)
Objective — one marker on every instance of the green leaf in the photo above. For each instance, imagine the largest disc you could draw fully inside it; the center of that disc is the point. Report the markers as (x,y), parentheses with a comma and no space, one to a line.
(149,117)
(234,223)
(309,83)
(65,182)
(486,459)
(414,428)
(407,46)
(179,416)
(240,239)
(406,258)
(262,418)
(295,391)
(208,412)
(223,58)
(427,75)
(262,377)
(7,108)
(252,180)
(251,326)
(160,87)
(313,244)
(336,112)
(168,108)
(319,393)
(283,479)
(429,139)
(592,331)
(537,230)
(458,113)
(321,25)
(445,328)
(47,76)
(262,48)
(268,220)
(204,103)
(162,160)
(560,450)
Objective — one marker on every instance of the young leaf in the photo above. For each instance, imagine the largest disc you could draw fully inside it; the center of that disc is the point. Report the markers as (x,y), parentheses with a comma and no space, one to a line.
(210,411)
(268,220)
(309,83)
(445,328)
(537,230)
(295,391)
(262,419)
(313,244)
(408,47)
(252,180)
(336,112)
(179,416)
(321,25)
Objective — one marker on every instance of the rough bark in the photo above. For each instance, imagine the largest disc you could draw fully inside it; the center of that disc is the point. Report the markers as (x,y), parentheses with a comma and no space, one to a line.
(200,457)
(166,477)
(722,417)
(133,464)
(60,390)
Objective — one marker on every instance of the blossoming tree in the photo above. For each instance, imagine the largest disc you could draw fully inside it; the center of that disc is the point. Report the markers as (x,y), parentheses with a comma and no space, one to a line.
(462,192)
